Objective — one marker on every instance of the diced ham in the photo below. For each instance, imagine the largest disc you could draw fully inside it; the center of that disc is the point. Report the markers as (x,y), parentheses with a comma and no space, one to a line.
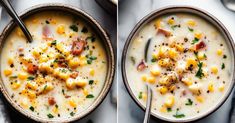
(164,32)
(46,33)
(200,45)
(51,101)
(141,66)
(77,47)
(32,69)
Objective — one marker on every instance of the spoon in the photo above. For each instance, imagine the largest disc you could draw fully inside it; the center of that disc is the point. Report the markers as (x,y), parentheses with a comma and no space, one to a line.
(149,90)
(229,4)
(6,4)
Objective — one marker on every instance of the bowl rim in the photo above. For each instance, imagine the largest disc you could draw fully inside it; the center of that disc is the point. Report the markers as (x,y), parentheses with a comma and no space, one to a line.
(106,42)
(177,9)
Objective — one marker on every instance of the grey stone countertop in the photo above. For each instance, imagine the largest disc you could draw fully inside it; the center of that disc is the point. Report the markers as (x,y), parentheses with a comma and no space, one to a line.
(107,111)
(130,12)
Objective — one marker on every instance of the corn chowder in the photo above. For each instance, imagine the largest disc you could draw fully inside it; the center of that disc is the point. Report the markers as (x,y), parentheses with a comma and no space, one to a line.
(61,72)
(187,65)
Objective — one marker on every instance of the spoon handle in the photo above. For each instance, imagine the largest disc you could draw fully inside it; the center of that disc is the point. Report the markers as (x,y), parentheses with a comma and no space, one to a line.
(148,107)
(6,4)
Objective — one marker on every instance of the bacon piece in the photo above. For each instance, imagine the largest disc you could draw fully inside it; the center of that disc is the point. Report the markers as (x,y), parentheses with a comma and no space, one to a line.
(200,45)
(164,32)
(46,33)
(77,47)
(51,101)
(74,75)
(32,69)
(141,66)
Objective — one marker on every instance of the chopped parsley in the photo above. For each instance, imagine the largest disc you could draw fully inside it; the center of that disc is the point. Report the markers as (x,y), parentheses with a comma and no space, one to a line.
(72,113)
(140,95)
(174,26)
(53,42)
(50,115)
(195,40)
(222,66)
(63,91)
(84,30)
(190,29)
(178,115)
(199,73)
(13,77)
(56,106)
(74,28)
(190,102)
(64,70)
(45,87)
(31,108)
(153,60)
(31,78)
(90,59)
(169,109)
(204,56)
(90,96)
(91,82)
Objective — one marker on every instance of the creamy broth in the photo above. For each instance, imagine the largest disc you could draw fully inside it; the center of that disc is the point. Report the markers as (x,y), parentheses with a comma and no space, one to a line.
(61,72)
(188,65)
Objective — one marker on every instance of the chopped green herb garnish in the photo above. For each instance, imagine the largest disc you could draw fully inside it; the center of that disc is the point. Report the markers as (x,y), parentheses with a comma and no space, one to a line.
(45,87)
(190,29)
(93,58)
(224,56)
(13,77)
(47,22)
(153,60)
(31,78)
(64,70)
(174,26)
(55,61)
(50,115)
(199,73)
(90,96)
(195,40)
(72,113)
(190,102)
(89,61)
(169,109)
(56,106)
(84,30)
(53,42)
(133,60)
(74,28)
(91,82)
(63,91)
(177,115)
(204,55)
(31,108)
(222,66)
(140,95)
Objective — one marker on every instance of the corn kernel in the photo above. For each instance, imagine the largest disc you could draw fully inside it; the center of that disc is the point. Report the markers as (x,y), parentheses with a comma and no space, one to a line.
(60,29)
(163,109)
(164,81)
(198,35)
(70,83)
(92,72)
(195,88)
(7,72)
(15,85)
(201,56)
(24,102)
(191,62)
(169,102)
(187,81)
(210,87)
(85,92)
(80,82)
(214,69)
(31,94)
(171,21)
(22,75)
(199,99)
(163,90)
(53,21)
(162,51)
(72,102)
(151,80)
(155,71)
(221,87)
(158,23)
(55,110)
(43,58)
(144,78)
(219,52)
(179,47)
(164,62)
(45,67)
(172,53)
(10,61)
(36,53)
(31,85)
(73,63)
(191,23)
(144,96)
(46,88)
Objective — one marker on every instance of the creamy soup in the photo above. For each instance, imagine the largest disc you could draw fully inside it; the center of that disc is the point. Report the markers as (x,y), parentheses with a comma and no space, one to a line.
(187,65)
(61,72)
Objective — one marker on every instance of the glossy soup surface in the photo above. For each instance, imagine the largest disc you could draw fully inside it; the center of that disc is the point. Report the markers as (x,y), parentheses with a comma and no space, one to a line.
(61,72)
(188,65)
